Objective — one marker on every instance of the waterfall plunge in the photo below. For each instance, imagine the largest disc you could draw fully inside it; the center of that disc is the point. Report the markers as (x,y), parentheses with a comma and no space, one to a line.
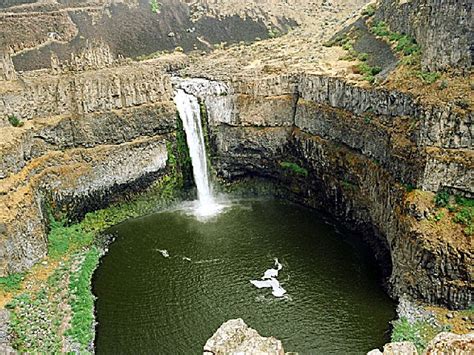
(189,112)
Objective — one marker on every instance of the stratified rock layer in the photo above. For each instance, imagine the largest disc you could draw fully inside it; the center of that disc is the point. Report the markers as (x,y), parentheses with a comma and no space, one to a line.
(359,149)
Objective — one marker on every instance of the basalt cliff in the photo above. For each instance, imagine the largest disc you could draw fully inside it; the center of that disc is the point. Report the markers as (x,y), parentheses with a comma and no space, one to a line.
(83,125)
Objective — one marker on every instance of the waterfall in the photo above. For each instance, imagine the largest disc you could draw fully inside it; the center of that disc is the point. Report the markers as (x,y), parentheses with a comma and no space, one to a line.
(190,114)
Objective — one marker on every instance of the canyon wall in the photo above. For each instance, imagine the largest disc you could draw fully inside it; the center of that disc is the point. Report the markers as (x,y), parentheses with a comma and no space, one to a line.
(84,139)
(356,153)
(90,135)
(442,28)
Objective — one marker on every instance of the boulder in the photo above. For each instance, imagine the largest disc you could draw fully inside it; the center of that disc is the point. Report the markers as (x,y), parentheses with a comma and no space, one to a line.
(450,343)
(236,337)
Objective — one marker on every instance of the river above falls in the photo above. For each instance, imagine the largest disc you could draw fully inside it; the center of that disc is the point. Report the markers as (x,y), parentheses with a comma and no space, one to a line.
(169,281)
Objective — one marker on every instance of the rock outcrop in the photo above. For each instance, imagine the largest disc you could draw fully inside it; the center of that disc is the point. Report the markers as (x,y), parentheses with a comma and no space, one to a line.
(449,343)
(442,28)
(236,337)
(442,344)
(86,139)
(359,149)
(5,347)
(399,348)
(7,70)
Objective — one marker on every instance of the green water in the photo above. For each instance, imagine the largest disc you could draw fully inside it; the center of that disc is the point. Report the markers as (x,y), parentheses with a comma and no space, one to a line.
(151,304)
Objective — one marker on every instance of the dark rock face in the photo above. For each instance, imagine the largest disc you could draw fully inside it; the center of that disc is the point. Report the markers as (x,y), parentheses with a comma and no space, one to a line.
(442,28)
(353,162)
(129,28)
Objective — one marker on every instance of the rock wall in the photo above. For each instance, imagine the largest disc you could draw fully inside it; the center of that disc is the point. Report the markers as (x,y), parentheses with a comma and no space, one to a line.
(442,28)
(86,139)
(7,70)
(361,149)
(97,132)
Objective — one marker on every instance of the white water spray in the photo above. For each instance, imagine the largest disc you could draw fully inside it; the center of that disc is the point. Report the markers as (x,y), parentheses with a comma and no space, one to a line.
(190,113)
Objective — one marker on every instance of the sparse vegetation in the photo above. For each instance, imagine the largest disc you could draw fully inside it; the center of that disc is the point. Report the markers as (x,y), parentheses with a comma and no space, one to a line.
(428,77)
(82,301)
(369,11)
(295,168)
(419,333)
(274,32)
(403,44)
(462,103)
(11,282)
(152,55)
(15,121)
(369,72)
(460,208)
(410,52)
(155,6)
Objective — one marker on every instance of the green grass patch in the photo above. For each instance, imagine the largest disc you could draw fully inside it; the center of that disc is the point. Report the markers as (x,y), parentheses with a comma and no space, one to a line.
(295,168)
(82,301)
(419,333)
(428,77)
(64,239)
(11,282)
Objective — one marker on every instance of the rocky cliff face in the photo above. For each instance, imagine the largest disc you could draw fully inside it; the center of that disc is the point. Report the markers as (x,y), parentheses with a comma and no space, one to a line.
(442,28)
(85,139)
(357,151)
(95,127)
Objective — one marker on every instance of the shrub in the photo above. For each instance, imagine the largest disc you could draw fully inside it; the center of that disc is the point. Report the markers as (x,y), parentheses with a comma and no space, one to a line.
(11,282)
(368,71)
(273,33)
(380,29)
(465,216)
(363,57)
(403,330)
(155,6)
(441,199)
(294,168)
(15,121)
(369,11)
(428,77)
